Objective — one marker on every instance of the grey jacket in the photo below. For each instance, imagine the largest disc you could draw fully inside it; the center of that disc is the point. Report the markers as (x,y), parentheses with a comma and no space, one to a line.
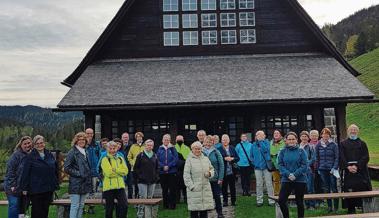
(77,167)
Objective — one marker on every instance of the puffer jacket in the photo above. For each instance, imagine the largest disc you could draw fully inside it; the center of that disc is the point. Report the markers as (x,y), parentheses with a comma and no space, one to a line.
(327,158)
(167,157)
(199,193)
(14,172)
(293,159)
(217,162)
(77,167)
(114,169)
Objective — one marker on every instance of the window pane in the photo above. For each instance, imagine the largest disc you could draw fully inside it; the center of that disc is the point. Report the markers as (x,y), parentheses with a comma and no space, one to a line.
(247,19)
(170,5)
(189,5)
(190,38)
(208,20)
(209,37)
(171,38)
(227,4)
(189,20)
(228,19)
(247,36)
(170,21)
(208,4)
(246,4)
(228,37)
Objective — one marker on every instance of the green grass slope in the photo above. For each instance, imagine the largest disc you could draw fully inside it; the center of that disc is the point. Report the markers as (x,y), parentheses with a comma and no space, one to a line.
(366,116)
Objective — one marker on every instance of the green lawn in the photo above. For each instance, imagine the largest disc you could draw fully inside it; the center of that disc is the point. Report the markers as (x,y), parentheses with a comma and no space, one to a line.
(366,116)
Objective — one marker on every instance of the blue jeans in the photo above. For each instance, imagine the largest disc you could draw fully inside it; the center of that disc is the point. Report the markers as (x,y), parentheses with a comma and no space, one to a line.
(310,188)
(329,184)
(77,205)
(13,206)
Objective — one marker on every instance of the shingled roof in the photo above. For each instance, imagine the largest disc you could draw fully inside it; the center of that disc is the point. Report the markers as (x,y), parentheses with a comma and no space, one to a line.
(252,79)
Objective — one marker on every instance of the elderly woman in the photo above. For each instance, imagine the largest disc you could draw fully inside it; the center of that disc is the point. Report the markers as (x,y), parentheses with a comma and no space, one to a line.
(292,161)
(218,164)
(230,158)
(134,150)
(78,168)
(13,176)
(197,172)
(168,158)
(276,144)
(327,156)
(354,158)
(147,170)
(40,178)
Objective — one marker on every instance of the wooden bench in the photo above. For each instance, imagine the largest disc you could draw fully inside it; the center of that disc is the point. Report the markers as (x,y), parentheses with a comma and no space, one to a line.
(63,205)
(370,204)
(361,215)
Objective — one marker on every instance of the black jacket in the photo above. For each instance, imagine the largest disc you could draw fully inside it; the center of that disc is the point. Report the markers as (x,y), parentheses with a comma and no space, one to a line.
(146,169)
(234,154)
(77,167)
(14,172)
(39,175)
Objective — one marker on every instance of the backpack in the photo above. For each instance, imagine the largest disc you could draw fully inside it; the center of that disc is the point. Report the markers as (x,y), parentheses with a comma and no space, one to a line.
(101,175)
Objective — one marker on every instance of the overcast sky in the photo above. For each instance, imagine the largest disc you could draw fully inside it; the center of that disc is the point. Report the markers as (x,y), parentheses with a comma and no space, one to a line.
(43,41)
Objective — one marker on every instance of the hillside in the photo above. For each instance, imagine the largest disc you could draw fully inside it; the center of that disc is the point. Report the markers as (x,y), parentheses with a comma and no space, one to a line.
(356,34)
(367,115)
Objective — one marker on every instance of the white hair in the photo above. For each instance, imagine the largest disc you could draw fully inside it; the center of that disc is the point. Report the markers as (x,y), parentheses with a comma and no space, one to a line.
(196,144)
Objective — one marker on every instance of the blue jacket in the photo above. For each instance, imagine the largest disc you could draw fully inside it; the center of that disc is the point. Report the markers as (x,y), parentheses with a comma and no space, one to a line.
(292,160)
(258,149)
(93,151)
(311,156)
(217,162)
(327,157)
(232,164)
(243,160)
(14,172)
(168,158)
(39,175)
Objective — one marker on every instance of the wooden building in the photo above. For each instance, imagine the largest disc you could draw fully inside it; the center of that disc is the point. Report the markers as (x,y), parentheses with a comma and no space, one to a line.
(225,66)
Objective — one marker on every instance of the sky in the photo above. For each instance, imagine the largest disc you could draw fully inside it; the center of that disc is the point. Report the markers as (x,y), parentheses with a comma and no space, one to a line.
(43,41)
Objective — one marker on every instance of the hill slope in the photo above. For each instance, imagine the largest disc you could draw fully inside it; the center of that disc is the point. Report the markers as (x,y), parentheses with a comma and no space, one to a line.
(366,116)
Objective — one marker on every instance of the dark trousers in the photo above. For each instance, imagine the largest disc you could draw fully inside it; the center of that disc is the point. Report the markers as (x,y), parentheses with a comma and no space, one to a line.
(199,214)
(40,204)
(121,206)
(329,184)
(169,186)
(129,183)
(230,181)
(216,191)
(135,183)
(181,189)
(285,191)
(245,178)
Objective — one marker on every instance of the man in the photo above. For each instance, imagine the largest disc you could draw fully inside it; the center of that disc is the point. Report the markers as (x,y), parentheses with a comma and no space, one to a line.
(93,149)
(134,150)
(183,151)
(129,178)
(201,136)
(245,163)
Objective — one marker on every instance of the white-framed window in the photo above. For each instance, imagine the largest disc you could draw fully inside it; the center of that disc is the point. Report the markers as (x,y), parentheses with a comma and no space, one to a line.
(208,5)
(247,19)
(189,21)
(227,4)
(170,21)
(209,37)
(171,38)
(190,38)
(228,19)
(209,20)
(170,5)
(247,36)
(246,4)
(228,37)
(189,5)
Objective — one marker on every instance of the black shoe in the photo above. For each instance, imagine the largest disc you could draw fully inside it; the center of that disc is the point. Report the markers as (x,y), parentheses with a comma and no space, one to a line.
(225,204)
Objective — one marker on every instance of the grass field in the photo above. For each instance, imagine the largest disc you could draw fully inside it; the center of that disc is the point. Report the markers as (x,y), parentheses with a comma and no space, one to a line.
(366,116)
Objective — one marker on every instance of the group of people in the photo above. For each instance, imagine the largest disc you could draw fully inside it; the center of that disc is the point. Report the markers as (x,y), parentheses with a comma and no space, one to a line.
(204,173)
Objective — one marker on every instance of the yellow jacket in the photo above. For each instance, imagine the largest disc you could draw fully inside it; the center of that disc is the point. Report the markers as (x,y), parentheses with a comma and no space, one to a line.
(114,169)
(134,151)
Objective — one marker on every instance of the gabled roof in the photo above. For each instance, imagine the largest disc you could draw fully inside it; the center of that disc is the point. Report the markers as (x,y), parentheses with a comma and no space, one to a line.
(204,80)
(90,56)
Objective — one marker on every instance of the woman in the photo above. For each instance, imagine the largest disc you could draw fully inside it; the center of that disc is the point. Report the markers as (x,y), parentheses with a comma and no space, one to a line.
(314,139)
(13,176)
(114,169)
(168,158)
(135,150)
(276,144)
(327,156)
(77,167)
(354,158)
(40,178)
(230,159)
(311,158)
(292,162)
(147,170)
(260,152)
(218,164)
(245,163)
(197,172)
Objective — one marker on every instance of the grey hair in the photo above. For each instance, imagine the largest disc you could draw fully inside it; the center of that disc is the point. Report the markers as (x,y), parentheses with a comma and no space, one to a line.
(196,144)
(38,137)
(112,143)
(314,131)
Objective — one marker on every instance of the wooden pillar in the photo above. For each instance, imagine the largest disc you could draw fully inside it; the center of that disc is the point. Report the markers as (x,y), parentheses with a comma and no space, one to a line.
(318,117)
(340,111)
(89,120)
(106,126)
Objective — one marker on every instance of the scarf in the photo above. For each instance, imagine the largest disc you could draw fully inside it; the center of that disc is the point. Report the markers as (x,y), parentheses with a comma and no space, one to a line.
(82,150)
(149,154)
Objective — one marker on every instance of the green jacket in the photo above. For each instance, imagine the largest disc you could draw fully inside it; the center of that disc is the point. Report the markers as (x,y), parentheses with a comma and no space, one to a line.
(184,150)
(114,169)
(275,149)
(199,192)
